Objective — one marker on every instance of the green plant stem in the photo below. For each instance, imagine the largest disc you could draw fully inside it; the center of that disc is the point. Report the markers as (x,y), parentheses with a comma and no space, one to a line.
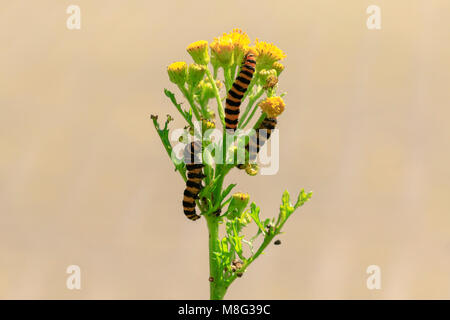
(260,120)
(243,122)
(217,288)
(251,85)
(228,79)
(216,94)
(267,240)
(189,98)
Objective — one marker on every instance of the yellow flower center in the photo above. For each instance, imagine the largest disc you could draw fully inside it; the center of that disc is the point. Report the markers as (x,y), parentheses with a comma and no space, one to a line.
(177,66)
(197,45)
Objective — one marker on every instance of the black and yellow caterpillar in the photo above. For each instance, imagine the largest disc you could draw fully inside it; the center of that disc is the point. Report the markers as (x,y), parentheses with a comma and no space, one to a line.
(195,177)
(258,140)
(237,91)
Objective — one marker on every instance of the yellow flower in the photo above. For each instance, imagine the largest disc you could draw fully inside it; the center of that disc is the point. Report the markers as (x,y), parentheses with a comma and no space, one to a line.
(272,106)
(230,48)
(240,38)
(199,52)
(279,67)
(222,50)
(240,42)
(268,53)
(177,72)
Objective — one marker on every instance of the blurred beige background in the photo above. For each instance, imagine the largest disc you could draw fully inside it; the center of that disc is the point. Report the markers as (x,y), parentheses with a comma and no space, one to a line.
(84,179)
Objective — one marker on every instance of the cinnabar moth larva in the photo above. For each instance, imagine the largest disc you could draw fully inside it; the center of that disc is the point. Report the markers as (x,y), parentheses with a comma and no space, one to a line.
(258,140)
(195,176)
(237,91)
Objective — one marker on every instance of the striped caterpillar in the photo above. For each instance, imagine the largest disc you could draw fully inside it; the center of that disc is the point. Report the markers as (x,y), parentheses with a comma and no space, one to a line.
(195,176)
(237,90)
(258,140)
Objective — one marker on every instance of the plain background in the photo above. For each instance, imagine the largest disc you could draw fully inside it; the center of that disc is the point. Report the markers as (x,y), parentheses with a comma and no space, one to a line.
(84,179)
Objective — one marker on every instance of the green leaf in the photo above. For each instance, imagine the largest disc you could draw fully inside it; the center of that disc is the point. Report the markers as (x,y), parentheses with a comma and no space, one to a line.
(186,115)
(286,208)
(303,197)
(227,191)
(164,136)
(254,213)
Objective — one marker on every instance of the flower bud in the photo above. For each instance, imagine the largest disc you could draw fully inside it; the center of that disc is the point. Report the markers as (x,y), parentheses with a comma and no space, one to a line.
(199,52)
(268,78)
(208,124)
(177,72)
(237,205)
(279,67)
(207,89)
(195,74)
(240,200)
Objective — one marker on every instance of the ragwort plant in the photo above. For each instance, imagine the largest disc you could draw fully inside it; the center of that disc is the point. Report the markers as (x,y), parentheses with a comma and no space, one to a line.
(205,182)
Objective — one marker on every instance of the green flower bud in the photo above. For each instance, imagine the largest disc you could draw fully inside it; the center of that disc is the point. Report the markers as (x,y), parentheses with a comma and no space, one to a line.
(238,203)
(199,52)
(195,74)
(265,75)
(279,67)
(177,72)
(207,90)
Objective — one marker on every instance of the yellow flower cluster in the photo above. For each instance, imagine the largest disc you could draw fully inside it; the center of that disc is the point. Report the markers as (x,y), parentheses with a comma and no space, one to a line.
(267,54)
(230,47)
(272,106)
